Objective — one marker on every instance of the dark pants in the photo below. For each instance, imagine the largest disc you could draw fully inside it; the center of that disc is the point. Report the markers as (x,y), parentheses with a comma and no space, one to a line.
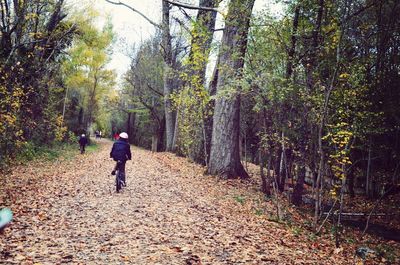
(82,148)
(121,167)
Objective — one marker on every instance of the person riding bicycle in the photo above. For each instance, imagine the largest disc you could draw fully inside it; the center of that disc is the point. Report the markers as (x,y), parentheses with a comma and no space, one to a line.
(121,152)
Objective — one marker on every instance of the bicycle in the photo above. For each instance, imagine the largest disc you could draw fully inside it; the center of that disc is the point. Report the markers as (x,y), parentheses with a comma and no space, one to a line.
(119,176)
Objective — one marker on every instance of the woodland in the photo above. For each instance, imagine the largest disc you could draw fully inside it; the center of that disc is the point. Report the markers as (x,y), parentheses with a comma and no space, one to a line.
(300,109)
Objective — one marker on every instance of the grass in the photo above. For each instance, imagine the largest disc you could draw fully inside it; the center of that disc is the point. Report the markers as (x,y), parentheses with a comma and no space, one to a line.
(45,152)
(92,147)
(259,212)
(52,152)
(240,199)
(35,152)
(297,231)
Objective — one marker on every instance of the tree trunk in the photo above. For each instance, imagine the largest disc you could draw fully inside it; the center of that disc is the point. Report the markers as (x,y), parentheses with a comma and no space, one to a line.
(130,126)
(266,180)
(289,66)
(298,188)
(80,121)
(277,162)
(311,84)
(350,177)
(212,90)
(91,103)
(225,156)
(161,134)
(368,181)
(132,134)
(168,77)
(65,104)
(176,132)
(154,143)
(282,166)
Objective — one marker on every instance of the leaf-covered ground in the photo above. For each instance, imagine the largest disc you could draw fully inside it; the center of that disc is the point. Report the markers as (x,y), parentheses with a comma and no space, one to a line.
(67,211)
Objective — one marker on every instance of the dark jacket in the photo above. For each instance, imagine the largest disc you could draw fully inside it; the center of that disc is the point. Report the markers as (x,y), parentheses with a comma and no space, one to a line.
(121,150)
(83,141)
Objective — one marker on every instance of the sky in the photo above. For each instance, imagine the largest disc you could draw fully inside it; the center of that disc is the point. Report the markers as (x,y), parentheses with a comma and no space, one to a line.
(131,28)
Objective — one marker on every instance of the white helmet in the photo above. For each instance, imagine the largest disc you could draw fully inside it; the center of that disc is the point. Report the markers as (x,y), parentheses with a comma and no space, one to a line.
(83,135)
(123,135)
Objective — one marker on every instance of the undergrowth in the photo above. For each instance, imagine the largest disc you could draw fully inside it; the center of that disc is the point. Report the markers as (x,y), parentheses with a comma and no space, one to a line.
(51,152)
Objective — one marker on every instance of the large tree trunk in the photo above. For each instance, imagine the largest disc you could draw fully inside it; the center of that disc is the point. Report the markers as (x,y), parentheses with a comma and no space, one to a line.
(298,188)
(161,133)
(168,77)
(130,124)
(301,174)
(92,104)
(265,179)
(225,155)
(350,177)
(208,124)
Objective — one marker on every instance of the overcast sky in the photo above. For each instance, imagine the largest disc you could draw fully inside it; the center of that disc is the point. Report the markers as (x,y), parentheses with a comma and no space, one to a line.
(131,28)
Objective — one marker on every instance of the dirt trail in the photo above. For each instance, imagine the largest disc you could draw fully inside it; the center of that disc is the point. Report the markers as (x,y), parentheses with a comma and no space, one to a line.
(68,212)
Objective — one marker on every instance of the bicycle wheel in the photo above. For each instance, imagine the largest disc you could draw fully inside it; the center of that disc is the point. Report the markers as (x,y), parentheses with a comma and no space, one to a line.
(118,181)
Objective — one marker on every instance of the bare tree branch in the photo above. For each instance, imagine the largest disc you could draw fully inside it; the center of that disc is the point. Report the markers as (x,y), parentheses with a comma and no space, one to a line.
(153,89)
(135,10)
(361,10)
(175,3)
(182,24)
(187,16)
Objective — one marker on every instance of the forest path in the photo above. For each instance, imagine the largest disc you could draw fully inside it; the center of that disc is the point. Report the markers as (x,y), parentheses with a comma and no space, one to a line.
(68,212)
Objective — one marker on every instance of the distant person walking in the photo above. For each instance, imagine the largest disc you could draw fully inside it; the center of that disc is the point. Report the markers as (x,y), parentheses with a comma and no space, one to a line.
(116,136)
(83,141)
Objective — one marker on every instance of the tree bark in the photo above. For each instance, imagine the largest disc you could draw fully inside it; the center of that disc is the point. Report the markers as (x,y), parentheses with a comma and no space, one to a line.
(161,133)
(212,90)
(92,102)
(350,177)
(130,125)
(298,188)
(265,179)
(291,53)
(282,165)
(368,181)
(225,156)
(168,76)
